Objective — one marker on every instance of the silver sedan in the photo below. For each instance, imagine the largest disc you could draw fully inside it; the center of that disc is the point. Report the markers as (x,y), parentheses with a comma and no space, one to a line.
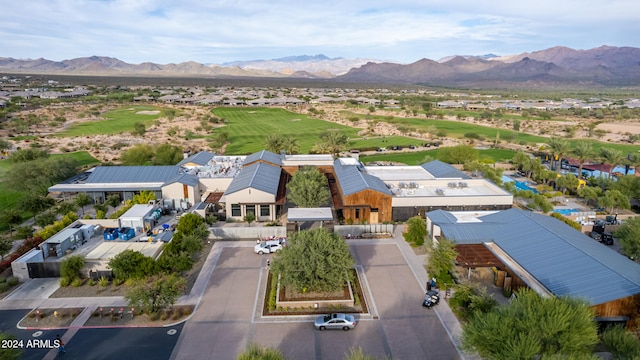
(335,321)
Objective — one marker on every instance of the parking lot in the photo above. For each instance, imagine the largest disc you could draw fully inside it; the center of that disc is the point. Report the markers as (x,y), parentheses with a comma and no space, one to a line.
(228,317)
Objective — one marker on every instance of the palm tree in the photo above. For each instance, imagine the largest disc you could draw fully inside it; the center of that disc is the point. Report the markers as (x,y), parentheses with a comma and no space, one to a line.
(335,140)
(275,142)
(612,157)
(291,145)
(583,152)
(633,159)
(559,147)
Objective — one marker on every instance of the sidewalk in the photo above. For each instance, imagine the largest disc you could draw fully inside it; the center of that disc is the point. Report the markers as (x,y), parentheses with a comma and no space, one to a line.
(447,317)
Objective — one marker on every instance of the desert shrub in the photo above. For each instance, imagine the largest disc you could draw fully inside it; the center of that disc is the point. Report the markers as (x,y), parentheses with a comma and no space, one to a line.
(623,344)
(4,287)
(176,315)
(72,266)
(154,316)
(64,281)
(91,282)
(186,311)
(13,281)
(76,282)
(164,316)
(118,282)
(103,281)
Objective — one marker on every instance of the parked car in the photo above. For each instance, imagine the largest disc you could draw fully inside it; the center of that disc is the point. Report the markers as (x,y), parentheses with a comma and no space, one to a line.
(335,321)
(412,146)
(267,247)
(431,298)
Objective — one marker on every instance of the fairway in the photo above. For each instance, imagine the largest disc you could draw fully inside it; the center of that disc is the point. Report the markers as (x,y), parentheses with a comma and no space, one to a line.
(114,121)
(248,128)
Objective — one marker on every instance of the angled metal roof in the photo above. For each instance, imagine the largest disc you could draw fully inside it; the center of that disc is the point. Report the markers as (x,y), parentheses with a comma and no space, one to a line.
(352,180)
(563,260)
(132,174)
(260,176)
(443,170)
(265,155)
(187,179)
(202,158)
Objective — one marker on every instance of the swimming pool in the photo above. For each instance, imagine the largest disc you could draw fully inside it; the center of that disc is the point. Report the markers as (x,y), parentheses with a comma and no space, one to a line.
(520,185)
(566,211)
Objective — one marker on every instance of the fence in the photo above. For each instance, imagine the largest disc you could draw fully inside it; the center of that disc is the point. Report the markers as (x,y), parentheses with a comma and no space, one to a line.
(237,233)
(359,230)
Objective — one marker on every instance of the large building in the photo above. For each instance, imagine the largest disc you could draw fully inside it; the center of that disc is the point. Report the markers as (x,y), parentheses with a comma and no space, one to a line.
(237,185)
(542,253)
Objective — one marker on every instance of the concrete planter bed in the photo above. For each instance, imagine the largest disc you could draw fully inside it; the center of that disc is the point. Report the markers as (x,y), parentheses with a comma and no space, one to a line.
(349,300)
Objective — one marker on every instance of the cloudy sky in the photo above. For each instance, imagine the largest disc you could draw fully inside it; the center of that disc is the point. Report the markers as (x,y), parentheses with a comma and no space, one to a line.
(218,31)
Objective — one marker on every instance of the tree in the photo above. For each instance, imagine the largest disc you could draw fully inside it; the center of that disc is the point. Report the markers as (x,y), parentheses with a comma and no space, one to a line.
(335,141)
(568,181)
(308,188)
(65,207)
(29,154)
(167,154)
(138,129)
(314,260)
(35,177)
(45,218)
(36,203)
(442,260)
(612,157)
(559,147)
(628,236)
(192,224)
(144,197)
(416,231)
(250,217)
(113,200)
(614,199)
(515,331)
(468,300)
(583,152)
(9,353)
(541,203)
(82,200)
(131,264)
(255,352)
(458,154)
(5,145)
(11,217)
(140,154)
(621,343)
(156,293)
(5,247)
(590,193)
(71,267)
(275,142)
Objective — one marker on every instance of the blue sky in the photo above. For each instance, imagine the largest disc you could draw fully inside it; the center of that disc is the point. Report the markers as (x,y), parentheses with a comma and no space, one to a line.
(218,31)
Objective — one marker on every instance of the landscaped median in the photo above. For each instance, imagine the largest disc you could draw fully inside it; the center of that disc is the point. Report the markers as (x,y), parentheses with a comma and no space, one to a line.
(105,316)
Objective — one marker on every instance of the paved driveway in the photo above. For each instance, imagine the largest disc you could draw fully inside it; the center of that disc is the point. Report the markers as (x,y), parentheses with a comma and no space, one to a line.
(226,320)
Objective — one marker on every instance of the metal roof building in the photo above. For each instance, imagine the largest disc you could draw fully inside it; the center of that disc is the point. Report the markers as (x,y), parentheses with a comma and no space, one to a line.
(443,170)
(563,260)
(352,180)
(259,176)
(201,158)
(264,155)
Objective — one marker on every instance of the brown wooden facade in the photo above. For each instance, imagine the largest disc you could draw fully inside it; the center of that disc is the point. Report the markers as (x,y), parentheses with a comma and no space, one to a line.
(367,205)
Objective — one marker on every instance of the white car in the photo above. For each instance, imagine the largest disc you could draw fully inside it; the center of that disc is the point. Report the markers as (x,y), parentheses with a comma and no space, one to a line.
(267,247)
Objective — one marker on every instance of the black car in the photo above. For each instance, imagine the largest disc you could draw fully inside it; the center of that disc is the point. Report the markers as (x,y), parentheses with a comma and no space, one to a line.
(431,298)
(412,146)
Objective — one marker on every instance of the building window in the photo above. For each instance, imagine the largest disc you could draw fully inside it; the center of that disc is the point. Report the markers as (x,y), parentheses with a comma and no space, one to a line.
(235,210)
(357,214)
(265,210)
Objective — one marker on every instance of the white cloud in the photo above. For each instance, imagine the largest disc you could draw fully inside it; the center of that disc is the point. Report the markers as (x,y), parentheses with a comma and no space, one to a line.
(166,31)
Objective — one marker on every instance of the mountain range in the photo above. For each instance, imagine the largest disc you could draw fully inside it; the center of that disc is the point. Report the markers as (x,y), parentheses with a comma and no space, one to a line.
(558,66)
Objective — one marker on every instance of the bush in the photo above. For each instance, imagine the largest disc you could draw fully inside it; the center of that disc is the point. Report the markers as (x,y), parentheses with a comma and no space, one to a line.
(77,282)
(13,281)
(72,266)
(103,281)
(621,343)
(4,287)
(64,282)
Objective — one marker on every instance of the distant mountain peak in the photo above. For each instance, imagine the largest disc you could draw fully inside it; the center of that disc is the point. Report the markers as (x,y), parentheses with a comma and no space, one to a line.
(318,57)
